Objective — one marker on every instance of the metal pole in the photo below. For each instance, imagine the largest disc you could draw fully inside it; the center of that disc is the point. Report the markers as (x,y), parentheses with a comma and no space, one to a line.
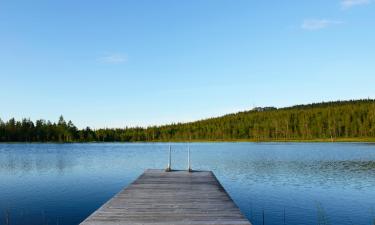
(189,165)
(169,160)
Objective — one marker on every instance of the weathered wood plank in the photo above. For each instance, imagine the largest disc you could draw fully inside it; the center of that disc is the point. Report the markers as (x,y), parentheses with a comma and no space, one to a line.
(176,197)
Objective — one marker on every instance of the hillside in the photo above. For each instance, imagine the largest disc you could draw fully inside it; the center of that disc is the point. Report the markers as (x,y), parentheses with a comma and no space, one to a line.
(330,121)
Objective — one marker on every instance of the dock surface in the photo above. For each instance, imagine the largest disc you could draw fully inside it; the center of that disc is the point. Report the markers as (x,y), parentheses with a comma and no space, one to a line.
(178,197)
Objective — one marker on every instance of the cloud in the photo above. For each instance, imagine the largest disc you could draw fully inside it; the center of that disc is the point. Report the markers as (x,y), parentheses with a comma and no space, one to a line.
(317,24)
(114,59)
(346,4)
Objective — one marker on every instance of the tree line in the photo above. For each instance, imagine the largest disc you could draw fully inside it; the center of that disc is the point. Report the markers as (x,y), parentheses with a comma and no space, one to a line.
(330,120)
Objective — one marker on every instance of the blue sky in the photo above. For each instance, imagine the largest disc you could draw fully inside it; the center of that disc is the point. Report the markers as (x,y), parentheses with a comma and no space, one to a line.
(126,63)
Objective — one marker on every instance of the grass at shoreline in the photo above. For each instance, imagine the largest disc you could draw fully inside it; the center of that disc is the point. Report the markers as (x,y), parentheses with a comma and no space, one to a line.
(320,140)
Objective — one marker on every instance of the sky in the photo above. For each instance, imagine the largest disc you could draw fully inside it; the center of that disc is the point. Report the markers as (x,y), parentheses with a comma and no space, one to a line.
(151,62)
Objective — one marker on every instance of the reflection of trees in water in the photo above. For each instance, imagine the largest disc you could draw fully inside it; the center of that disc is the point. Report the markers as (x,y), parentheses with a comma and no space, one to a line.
(38,162)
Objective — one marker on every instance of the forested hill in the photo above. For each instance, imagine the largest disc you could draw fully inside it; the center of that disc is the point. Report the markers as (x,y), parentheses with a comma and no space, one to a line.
(341,120)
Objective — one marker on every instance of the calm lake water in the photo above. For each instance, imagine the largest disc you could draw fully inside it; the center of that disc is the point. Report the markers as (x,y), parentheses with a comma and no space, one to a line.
(309,183)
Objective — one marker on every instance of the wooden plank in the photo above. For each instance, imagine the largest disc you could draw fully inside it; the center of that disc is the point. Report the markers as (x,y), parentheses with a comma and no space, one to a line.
(178,197)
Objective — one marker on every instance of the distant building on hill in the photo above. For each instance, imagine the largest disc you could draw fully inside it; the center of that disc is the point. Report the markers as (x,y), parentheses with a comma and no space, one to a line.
(262,109)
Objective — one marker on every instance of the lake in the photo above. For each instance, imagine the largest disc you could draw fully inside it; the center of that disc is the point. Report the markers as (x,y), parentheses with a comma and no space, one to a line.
(295,183)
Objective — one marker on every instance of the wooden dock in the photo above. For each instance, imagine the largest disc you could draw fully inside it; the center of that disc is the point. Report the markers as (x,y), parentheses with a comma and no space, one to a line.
(178,197)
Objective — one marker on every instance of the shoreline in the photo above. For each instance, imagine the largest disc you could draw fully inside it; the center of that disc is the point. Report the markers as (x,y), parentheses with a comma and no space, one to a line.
(319,140)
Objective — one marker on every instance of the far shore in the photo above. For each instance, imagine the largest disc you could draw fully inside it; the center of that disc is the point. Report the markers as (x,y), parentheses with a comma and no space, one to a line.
(319,140)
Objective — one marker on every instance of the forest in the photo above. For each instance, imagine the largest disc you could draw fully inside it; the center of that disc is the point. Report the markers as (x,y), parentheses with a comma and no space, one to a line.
(354,119)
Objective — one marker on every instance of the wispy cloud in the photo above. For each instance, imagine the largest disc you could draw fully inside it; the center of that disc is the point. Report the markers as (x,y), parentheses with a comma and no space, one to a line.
(317,24)
(113,58)
(346,4)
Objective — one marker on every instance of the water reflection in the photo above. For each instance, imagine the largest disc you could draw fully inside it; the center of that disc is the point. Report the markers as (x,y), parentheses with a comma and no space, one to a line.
(30,161)
(67,182)
(344,173)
